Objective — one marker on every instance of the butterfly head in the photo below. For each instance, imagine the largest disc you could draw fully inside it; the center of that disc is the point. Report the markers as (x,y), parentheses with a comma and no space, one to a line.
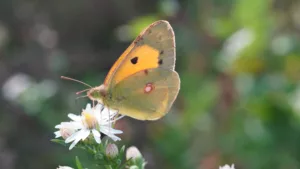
(97,93)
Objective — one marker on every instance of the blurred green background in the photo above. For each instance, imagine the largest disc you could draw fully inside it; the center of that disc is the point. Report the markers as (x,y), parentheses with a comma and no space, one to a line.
(239,63)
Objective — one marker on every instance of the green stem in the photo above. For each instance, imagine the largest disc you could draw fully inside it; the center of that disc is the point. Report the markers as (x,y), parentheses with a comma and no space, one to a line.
(125,163)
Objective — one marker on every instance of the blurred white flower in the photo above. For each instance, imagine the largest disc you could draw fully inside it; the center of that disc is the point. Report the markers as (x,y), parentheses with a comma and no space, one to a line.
(93,120)
(46,36)
(66,129)
(133,152)
(64,167)
(16,85)
(234,45)
(227,167)
(237,42)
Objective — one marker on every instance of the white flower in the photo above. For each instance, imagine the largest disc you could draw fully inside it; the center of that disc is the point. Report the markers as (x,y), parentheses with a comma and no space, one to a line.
(64,167)
(227,167)
(66,129)
(93,120)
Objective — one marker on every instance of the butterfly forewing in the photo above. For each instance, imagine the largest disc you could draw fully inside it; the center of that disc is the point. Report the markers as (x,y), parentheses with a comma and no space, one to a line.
(153,48)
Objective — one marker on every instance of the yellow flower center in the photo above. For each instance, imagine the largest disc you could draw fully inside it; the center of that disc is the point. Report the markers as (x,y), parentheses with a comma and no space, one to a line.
(89,120)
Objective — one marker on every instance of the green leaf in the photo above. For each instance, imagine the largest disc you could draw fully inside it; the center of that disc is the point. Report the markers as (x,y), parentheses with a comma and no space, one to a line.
(78,163)
(122,151)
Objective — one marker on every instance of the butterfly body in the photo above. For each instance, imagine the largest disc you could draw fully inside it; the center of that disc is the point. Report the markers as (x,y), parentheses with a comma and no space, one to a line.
(142,83)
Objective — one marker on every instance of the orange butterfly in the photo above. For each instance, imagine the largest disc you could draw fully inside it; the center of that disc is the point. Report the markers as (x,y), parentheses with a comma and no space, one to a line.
(142,83)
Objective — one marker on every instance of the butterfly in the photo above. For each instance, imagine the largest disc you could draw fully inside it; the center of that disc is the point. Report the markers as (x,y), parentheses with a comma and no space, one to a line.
(143,83)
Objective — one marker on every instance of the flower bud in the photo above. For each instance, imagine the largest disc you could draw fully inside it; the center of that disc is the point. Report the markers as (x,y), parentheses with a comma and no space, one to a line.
(133,152)
(111,150)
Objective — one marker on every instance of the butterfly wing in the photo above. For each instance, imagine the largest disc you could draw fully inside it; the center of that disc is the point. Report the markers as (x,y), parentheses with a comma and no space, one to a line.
(147,94)
(154,47)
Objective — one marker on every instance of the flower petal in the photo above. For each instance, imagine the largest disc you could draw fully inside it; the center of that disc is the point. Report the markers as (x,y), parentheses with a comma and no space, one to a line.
(76,125)
(98,113)
(106,117)
(98,117)
(105,113)
(113,137)
(74,143)
(88,107)
(74,117)
(107,129)
(57,134)
(97,136)
(58,126)
(96,133)
(98,107)
(74,136)
(85,134)
(64,125)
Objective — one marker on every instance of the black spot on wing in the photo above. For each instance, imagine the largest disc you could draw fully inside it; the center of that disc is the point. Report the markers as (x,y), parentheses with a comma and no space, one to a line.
(134,60)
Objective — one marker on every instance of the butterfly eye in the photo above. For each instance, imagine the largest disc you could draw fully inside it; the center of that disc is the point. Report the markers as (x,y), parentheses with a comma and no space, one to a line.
(160,37)
(160,62)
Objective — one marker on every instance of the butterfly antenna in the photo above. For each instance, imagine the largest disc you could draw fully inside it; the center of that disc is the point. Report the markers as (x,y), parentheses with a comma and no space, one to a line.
(82,91)
(81,97)
(68,78)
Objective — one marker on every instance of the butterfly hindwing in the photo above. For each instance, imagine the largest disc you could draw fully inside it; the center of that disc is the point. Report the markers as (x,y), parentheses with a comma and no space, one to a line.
(147,94)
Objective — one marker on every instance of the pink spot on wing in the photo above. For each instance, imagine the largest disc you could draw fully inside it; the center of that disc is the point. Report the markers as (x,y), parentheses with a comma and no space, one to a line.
(148,88)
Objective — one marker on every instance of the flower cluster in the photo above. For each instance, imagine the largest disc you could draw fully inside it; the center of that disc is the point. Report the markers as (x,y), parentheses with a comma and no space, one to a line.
(91,125)
(92,121)
(86,131)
